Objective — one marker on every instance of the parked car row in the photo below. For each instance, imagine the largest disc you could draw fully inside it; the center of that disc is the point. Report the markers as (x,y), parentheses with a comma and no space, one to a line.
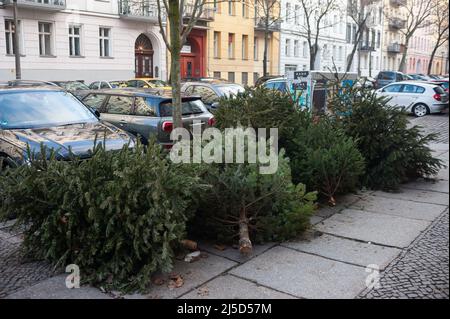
(49,114)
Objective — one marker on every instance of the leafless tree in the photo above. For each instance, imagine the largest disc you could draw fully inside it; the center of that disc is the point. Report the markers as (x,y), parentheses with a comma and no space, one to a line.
(439,26)
(315,13)
(267,13)
(418,13)
(360,12)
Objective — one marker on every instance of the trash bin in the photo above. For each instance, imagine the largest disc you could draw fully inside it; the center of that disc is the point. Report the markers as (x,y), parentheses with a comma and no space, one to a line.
(320,97)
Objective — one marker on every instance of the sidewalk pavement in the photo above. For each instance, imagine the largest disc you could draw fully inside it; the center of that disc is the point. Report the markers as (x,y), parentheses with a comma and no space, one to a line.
(371,245)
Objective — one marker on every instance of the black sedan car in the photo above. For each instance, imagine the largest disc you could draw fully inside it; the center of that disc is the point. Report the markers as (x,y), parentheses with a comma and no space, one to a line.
(53,118)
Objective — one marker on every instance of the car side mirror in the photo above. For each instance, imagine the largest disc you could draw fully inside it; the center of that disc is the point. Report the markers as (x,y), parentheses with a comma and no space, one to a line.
(215,105)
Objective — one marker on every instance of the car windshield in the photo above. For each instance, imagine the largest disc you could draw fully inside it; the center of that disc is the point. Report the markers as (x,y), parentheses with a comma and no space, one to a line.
(22,110)
(188,108)
(230,90)
(73,85)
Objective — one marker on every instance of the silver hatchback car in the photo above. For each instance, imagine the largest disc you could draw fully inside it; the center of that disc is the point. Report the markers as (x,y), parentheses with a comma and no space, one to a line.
(419,98)
(146,113)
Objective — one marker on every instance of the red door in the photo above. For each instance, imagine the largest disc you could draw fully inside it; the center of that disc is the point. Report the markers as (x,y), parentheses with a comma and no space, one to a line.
(187,67)
(144,65)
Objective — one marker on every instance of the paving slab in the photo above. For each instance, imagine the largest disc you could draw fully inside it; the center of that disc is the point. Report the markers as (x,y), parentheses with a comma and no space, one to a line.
(55,288)
(416,195)
(233,253)
(194,274)
(304,275)
(346,250)
(315,219)
(439,146)
(342,202)
(443,174)
(400,207)
(232,287)
(429,185)
(372,227)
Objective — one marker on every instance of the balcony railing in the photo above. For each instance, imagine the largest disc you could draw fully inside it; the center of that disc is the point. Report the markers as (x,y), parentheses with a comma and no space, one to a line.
(367,47)
(397,23)
(274,25)
(52,5)
(139,10)
(206,15)
(398,3)
(394,48)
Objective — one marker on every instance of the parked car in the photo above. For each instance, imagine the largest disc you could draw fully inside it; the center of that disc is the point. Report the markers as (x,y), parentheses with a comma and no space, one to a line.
(366,81)
(55,118)
(261,80)
(387,77)
(212,91)
(147,83)
(100,85)
(145,113)
(204,79)
(419,98)
(77,88)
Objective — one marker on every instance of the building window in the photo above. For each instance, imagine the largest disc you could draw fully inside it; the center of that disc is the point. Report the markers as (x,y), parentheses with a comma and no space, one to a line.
(288,12)
(9,36)
(74,40)
(378,39)
(245,47)
(244,78)
(231,76)
(105,42)
(305,49)
(217,75)
(297,15)
(255,48)
(231,45)
(296,48)
(255,77)
(244,9)
(217,48)
(290,68)
(231,10)
(45,39)
(287,47)
(348,36)
(341,53)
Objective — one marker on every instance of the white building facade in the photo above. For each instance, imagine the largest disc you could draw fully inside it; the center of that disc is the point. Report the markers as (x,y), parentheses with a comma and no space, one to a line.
(336,40)
(86,40)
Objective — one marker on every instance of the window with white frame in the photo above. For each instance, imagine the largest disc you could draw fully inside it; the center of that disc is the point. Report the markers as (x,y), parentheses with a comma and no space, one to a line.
(305,49)
(288,12)
(45,39)
(287,47)
(297,15)
(296,48)
(105,41)
(9,36)
(255,49)
(75,40)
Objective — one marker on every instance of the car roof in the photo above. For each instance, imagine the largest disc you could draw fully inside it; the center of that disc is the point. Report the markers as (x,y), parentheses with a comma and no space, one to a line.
(147,92)
(15,89)
(426,83)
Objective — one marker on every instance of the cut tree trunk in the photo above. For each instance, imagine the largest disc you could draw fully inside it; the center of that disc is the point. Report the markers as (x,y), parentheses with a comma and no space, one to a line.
(245,245)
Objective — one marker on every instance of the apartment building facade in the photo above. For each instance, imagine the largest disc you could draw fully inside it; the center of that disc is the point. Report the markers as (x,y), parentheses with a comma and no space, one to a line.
(337,38)
(236,42)
(393,39)
(88,40)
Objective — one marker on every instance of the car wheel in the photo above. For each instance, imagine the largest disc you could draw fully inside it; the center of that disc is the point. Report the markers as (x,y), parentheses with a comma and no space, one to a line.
(420,110)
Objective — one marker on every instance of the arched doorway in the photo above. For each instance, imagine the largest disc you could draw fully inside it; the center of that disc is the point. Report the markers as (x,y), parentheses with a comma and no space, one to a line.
(193,55)
(143,52)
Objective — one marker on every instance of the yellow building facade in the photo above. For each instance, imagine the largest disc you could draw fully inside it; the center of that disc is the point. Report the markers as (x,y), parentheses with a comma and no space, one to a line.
(235,43)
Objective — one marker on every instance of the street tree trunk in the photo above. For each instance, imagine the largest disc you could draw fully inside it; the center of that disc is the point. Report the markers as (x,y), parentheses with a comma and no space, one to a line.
(16,46)
(402,66)
(175,74)
(266,45)
(312,56)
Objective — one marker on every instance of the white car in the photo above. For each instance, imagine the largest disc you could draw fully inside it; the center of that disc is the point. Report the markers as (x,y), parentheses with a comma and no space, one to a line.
(416,97)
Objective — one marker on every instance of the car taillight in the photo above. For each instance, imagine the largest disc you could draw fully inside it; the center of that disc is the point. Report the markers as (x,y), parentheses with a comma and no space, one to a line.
(212,121)
(167,126)
(437,97)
